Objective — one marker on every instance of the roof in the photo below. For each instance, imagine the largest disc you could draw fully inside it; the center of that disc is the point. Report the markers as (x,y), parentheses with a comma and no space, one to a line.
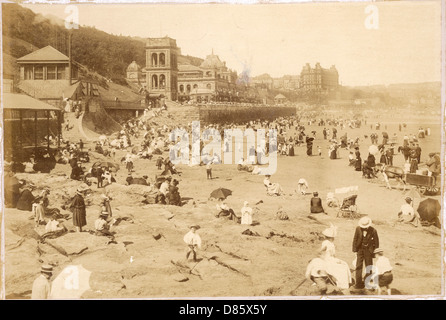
(115,90)
(47,53)
(212,61)
(188,67)
(133,67)
(280,96)
(24,102)
(44,89)
(69,92)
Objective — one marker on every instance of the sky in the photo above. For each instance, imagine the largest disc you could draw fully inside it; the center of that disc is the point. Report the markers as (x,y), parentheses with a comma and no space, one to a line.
(392,42)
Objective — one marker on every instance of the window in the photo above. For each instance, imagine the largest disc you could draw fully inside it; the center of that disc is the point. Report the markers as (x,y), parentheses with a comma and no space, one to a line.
(154,81)
(28,72)
(51,72)
(162,81)
(162,59)
(195,86)
(208,86)
(188,88)
(60,72)
(154,60)
(38,73)
(181,88)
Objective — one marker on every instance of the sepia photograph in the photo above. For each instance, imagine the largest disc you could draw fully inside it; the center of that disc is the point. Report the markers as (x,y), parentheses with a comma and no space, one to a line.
(225,150)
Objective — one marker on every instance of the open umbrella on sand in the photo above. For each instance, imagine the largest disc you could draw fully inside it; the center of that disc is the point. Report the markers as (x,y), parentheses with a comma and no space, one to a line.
(221,193)
(109,165)
(429,210)
(71,283)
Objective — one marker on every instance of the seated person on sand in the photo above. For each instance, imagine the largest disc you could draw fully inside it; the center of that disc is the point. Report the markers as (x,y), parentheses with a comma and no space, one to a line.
(407,213)
(26,199)
(272,189)
(225,211)
(45,205)
(302,186)
(102,227)
(107,178)
(173,195)
(77,173)
(242,165)
(335,267)
(316,204)
(281,214)
(367,172)
(316,272)
(54,228)
(351,159)
(163,190)
(331,200)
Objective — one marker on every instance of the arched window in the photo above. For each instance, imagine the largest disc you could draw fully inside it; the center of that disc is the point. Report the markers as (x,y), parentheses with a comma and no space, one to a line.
(154,81)
(154,59)
(208,74)
(162,59)
(188,88)
(181,88)
(208,86)
(195,86)
(162,81)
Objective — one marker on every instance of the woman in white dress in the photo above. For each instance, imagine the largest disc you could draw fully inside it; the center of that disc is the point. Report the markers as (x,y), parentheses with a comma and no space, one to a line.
(246,214)
(272,188)
(335,267)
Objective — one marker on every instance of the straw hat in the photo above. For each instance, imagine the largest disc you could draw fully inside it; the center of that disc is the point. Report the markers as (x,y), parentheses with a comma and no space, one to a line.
(329,232)
(365,222)
(46,269)
(378,250)
(196,226)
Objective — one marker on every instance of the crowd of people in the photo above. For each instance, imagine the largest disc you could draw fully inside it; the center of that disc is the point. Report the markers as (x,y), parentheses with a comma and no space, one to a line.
(291,133)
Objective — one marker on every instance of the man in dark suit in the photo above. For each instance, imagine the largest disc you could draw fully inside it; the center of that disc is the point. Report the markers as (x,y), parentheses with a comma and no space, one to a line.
(365,242)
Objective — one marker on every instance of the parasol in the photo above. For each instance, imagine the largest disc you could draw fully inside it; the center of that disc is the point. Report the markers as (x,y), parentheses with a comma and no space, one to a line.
(221,193)
(429,210)
(109,165)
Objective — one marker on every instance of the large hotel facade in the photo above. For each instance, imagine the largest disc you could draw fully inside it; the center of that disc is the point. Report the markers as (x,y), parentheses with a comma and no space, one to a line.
(164,74)
(318,78)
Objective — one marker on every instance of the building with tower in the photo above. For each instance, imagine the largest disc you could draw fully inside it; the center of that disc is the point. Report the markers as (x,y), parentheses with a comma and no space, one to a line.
(161,71)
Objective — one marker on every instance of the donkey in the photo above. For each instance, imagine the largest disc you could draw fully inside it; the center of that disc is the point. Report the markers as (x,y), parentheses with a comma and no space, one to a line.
(392,172)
